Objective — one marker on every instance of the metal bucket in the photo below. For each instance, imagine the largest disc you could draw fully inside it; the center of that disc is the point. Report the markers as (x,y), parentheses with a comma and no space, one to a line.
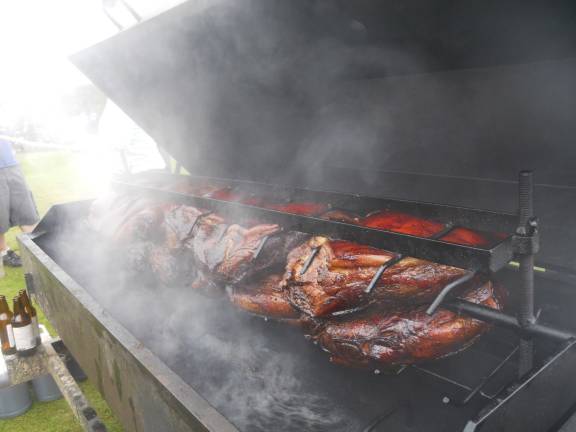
(14,400)
(45,388)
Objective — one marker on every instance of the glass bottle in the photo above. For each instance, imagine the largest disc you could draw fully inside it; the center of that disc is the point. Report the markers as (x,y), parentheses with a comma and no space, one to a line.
(30,310)
(6,333)
(23,331)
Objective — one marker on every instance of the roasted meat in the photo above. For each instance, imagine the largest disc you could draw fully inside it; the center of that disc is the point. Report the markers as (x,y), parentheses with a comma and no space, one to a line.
(402,223)
(317,282)
(231,253)
(144,224)
(226,251)
(336,279)
(125,217)
(149,262)
(222,252)
(228,194)
(340,216)
(407,224)
(136,257)
(113,214)
(263,296)
(164,264)
(299,208)
(153,241)
(404,335)
(177,225)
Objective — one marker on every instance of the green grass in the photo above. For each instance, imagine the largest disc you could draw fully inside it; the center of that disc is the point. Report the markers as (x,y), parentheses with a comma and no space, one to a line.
(56,416)
(53,177)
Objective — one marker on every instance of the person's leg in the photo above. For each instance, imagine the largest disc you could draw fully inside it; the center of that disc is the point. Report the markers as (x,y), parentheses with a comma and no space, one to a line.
(27,228)
(9,257)
(22,209)
(4,211)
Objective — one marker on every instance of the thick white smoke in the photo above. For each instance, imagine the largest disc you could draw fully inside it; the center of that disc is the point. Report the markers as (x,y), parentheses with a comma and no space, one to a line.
(247,368)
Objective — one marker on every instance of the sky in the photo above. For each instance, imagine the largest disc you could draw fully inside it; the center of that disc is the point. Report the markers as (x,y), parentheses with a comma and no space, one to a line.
(36,38)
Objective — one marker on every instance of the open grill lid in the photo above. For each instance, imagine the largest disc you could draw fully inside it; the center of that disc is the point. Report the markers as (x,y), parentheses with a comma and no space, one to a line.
(435,101)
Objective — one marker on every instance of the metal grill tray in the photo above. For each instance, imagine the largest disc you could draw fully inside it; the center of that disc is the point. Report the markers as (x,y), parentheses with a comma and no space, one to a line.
(492,258)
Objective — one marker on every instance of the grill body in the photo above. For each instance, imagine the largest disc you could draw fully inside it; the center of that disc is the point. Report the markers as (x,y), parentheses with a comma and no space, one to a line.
(258,375)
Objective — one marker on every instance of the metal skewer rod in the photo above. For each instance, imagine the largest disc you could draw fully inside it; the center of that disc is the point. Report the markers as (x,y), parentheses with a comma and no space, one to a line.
(198,218)
(260,246)
(447,228)
(490,315)
(382,269)
(309,260)
(447,290)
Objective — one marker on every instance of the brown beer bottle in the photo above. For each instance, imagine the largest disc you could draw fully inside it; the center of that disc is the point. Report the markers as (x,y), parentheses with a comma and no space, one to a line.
(23,331)
(30,310)
(6,333)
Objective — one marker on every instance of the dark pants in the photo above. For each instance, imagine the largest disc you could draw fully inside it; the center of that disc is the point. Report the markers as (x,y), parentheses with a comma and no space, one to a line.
(17,205)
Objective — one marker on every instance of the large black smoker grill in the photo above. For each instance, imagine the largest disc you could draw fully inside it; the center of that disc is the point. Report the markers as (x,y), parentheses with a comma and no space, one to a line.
(442,102)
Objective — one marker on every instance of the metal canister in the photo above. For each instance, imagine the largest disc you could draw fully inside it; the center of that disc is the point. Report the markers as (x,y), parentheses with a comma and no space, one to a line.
(14,400)
(45,388)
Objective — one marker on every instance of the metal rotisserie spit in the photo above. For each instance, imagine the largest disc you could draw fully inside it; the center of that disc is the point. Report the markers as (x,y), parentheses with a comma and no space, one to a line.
(308,118)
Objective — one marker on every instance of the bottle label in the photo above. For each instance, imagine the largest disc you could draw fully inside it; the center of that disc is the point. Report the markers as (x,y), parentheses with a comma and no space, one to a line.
(24,338)
(10,334)
(35,327)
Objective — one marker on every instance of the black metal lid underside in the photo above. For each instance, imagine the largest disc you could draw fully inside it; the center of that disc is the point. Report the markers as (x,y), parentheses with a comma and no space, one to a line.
(435,101)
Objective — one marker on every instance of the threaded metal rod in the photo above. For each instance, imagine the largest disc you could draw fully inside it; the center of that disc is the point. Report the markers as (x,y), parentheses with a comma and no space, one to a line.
(526,312)
(526,270)
(526,200)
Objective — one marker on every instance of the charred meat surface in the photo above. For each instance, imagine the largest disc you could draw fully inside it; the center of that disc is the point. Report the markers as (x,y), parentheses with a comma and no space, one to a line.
(402,223)
(263,296)
(341,216)
(336,279)
(228,194)
(226,251)
(165,266)
(178,223)
(113,214)
(299,208)
(141,225)
(407,224)
(404,335)
(232,253)
(468,237)
(123,216)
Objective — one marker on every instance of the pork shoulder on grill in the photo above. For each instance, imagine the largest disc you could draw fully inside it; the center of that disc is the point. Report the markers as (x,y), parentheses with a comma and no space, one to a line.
(263,296)
(232,253)
(336,279)
(268,271)
(403,335)
(340,272)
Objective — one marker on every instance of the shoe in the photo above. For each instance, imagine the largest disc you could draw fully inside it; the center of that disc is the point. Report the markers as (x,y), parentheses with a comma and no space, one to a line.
(11,259)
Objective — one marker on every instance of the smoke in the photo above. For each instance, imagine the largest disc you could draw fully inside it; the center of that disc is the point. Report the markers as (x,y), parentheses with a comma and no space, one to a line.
(271,83)
(227,84)
(247,368)
(333,95)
